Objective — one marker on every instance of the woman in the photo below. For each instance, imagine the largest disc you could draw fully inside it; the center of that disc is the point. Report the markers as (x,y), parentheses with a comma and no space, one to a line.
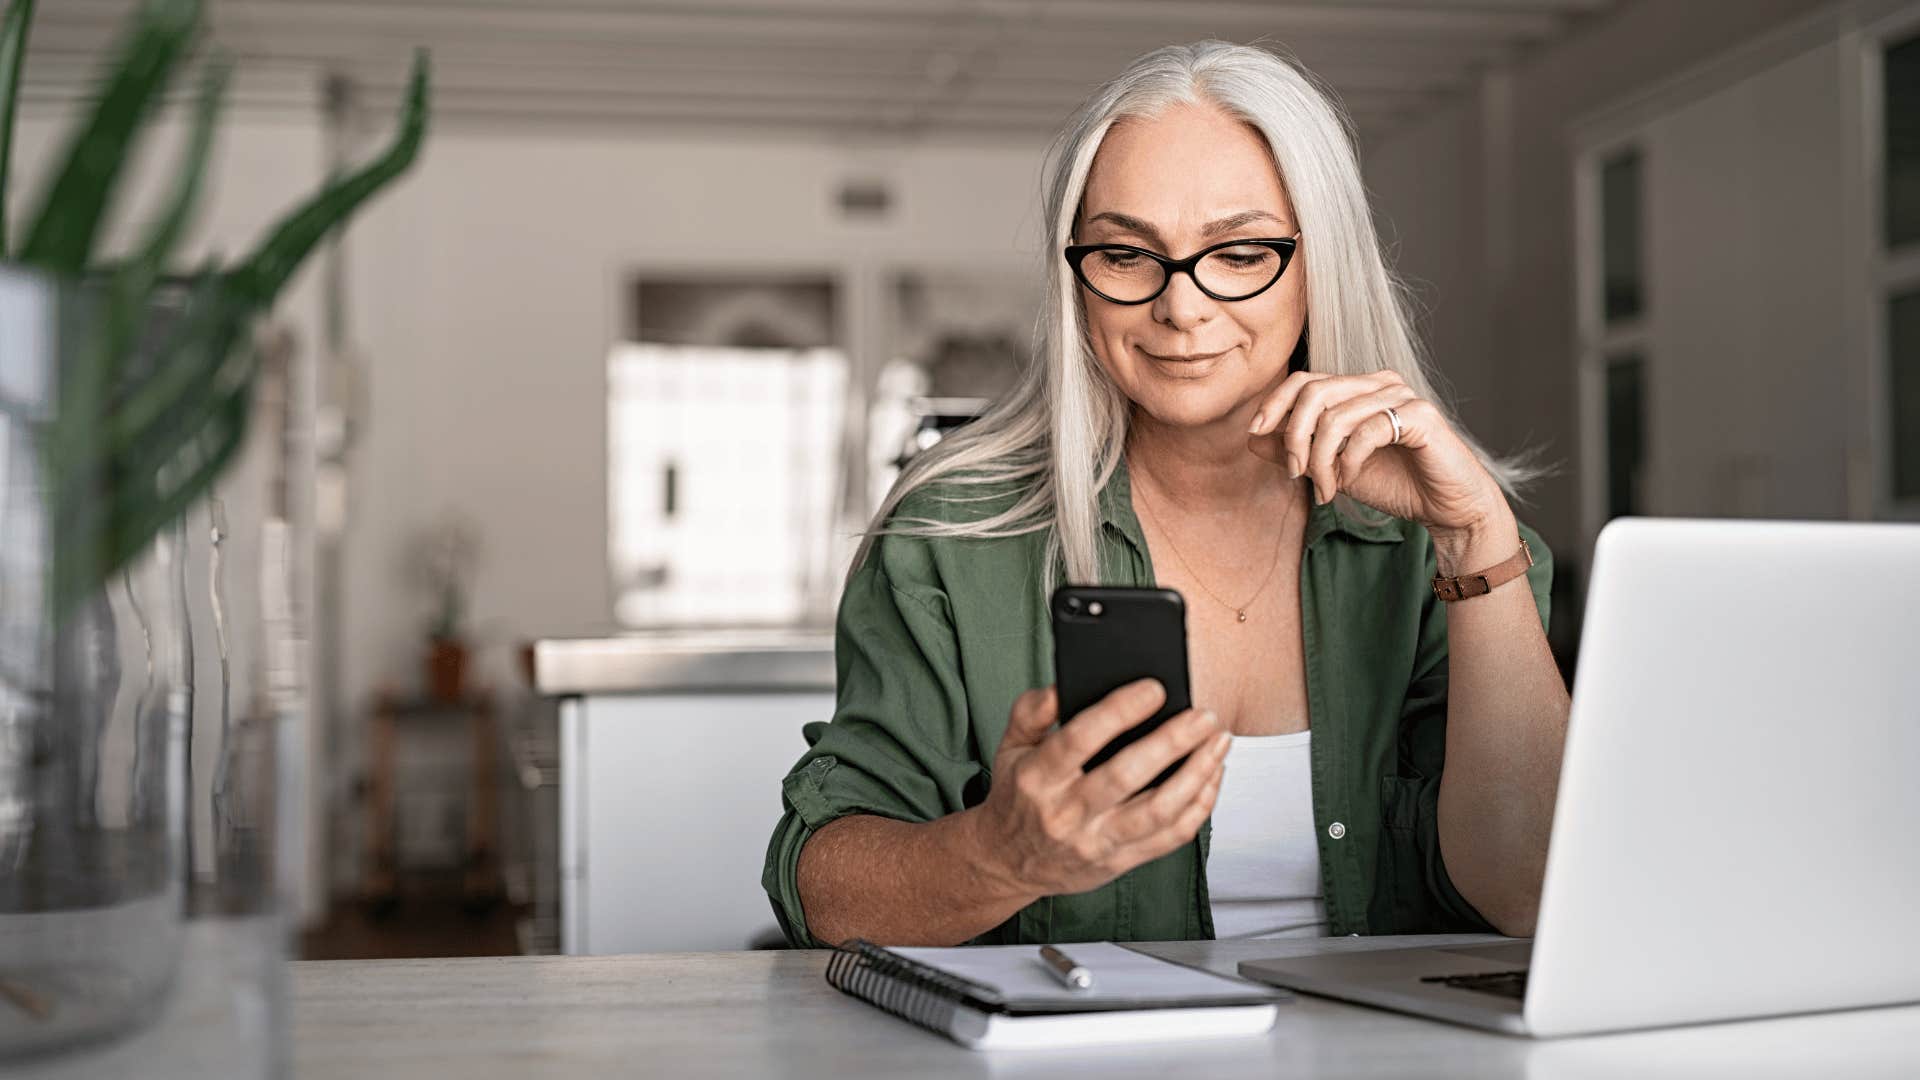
(1208,213)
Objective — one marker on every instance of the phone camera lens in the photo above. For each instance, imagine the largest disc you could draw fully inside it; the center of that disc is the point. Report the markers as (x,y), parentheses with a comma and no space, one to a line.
(1093,608)
(1073,603)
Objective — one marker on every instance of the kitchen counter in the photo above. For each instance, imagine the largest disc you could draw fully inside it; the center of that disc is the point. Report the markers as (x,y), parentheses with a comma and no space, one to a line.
(738,661)
(672,747)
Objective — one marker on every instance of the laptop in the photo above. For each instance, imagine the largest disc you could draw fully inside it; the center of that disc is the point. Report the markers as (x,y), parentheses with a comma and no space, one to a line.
(1737,828)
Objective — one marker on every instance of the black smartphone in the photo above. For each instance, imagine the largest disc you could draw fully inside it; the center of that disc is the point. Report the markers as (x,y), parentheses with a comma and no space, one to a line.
(1105,638)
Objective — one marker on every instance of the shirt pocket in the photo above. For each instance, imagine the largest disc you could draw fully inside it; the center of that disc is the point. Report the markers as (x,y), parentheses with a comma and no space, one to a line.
(1400,874)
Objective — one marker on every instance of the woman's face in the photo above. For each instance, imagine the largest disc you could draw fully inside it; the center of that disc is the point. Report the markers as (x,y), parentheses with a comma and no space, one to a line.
(1187,179)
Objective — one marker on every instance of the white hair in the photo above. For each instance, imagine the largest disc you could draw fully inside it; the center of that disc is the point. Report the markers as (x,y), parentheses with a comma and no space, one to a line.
(1056,438)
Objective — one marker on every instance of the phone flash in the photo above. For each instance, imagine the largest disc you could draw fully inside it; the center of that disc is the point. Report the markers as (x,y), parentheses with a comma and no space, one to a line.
(1093,608)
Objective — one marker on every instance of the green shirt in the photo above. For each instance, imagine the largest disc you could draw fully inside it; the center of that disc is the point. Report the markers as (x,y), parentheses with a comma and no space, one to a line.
(936,637)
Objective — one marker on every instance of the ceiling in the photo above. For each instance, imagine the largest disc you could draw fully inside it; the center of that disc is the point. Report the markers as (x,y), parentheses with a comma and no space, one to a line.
(880,68)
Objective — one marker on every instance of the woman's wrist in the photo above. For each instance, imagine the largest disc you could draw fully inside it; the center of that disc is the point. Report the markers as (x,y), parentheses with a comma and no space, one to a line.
(980,851)
(1486,541)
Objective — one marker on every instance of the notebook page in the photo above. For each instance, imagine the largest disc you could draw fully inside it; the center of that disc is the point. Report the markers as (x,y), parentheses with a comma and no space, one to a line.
(1120,975)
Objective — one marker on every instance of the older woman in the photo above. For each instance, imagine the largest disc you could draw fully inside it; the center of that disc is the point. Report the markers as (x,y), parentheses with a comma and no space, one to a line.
(1364,612)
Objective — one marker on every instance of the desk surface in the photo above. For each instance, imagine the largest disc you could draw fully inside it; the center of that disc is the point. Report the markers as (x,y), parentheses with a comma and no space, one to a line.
(772,1014)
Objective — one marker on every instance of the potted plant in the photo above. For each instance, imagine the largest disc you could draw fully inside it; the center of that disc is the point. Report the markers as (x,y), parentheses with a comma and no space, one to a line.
(137,847)
(443,561)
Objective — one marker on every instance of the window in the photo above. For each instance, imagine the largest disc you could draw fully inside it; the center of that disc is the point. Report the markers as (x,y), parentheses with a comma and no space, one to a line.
(1900,276)
(724,432)
(1903,375)
(1901,130)
(1626,434)
(1620,237)
(1615,309)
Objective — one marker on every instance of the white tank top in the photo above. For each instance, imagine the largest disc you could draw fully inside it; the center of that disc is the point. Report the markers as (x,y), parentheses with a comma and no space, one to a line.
(1263,864)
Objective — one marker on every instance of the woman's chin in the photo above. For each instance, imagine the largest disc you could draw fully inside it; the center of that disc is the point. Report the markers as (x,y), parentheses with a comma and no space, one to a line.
(1190,409)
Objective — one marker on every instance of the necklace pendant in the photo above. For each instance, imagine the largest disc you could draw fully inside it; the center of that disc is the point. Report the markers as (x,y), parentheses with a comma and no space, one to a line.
(1243,614)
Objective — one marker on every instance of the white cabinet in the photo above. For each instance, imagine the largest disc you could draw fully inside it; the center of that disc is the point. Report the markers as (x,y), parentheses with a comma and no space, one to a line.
(667,802)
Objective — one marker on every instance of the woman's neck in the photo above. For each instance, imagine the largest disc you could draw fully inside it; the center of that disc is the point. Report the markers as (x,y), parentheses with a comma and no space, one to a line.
(1203,471)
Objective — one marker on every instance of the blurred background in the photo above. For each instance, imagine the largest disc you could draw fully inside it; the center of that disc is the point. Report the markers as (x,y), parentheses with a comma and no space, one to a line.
(625,364)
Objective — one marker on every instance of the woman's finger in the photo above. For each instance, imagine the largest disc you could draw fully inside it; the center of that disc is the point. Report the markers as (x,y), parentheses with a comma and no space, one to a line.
(1152,811)
(1032,715)
(1297,430)
(1133,768)
(1274,409)
(1337,426)
(1179,832)
(1368,437)
(1080,737)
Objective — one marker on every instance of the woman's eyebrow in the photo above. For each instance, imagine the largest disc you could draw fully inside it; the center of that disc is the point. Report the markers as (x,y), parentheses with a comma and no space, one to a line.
(1244,217)
(1213,228)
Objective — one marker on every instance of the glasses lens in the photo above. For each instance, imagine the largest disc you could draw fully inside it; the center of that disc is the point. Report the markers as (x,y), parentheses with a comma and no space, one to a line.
(1122,275)
(1240,270)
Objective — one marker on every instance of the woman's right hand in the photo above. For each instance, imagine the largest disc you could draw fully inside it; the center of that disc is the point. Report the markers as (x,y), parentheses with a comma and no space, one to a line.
(1047,828)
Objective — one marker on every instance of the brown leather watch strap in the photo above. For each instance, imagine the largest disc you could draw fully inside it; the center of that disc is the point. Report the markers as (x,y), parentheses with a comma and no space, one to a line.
(1467,586)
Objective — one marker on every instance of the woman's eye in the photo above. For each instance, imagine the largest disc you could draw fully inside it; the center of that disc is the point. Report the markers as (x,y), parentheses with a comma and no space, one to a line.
(1238,259)
(1120,260)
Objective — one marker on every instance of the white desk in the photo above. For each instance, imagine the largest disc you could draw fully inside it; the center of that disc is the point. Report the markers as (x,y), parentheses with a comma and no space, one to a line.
(773,1015)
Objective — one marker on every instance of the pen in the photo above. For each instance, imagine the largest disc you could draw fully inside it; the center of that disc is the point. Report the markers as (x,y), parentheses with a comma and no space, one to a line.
(1063,966)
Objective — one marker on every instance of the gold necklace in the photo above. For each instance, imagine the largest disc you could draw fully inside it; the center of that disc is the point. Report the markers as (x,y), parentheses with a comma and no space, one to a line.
(1239,610)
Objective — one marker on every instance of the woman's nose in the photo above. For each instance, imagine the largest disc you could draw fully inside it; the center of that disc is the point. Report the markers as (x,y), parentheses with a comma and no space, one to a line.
(1181,304)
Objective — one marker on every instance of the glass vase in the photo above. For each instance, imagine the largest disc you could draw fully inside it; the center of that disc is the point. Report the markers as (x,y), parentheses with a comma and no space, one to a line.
(147,769)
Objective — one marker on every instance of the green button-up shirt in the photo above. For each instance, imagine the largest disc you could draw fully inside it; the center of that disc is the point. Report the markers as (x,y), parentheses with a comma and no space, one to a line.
(936,637)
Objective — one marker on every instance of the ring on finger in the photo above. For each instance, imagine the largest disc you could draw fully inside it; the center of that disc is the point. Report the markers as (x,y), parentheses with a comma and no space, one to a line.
(1394,419)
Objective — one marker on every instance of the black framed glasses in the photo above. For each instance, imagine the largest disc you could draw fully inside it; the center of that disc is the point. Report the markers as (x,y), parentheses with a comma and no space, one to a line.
(1235,270)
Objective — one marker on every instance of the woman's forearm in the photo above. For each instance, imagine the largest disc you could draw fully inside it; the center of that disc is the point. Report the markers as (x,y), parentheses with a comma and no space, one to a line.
(901,883)
(1506,724)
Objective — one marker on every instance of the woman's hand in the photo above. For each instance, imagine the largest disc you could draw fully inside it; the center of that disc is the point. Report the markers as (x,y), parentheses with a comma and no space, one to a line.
(1334,429)
(1047,828)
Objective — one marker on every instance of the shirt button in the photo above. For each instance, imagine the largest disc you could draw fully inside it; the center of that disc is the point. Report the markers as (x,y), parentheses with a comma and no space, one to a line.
(1336,830)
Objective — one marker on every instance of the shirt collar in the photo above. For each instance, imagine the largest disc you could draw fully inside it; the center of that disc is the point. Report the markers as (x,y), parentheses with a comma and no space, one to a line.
(1116,511)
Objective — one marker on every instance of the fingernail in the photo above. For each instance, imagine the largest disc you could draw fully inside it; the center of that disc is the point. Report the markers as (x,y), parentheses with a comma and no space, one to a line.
(1293,466)
(1259,421)
(1222,741)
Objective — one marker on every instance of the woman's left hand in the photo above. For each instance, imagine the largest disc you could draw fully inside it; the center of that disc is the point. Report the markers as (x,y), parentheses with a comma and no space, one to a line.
(1334,429)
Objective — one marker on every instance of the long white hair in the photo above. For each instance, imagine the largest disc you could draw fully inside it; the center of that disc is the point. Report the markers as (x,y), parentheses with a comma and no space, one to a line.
(1056,438)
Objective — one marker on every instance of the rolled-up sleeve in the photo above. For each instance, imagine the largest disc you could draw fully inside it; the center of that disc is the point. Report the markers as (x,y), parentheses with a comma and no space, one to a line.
(1411,815)
(897,745)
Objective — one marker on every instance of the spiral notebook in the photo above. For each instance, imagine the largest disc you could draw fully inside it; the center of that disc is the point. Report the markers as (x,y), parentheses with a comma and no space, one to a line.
(996,997)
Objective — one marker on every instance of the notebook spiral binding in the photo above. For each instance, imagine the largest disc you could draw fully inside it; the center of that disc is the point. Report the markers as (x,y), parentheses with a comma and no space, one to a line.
(907,989)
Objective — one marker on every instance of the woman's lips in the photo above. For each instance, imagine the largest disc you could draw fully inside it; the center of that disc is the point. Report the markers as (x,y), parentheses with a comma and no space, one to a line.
(1186,358)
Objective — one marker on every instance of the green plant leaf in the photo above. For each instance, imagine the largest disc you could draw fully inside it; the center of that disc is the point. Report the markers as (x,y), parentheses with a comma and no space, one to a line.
(62,236)
(263,274)
(116,484)
(13,55)
(131,284)
(184,200)
(144,499)
(136,443)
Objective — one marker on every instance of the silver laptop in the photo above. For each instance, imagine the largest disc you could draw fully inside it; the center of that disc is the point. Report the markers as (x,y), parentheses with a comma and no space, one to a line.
(1737,832)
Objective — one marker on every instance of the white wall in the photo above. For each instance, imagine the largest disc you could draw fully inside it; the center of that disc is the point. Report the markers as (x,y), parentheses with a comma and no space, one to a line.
(1507,143)
(1746,323)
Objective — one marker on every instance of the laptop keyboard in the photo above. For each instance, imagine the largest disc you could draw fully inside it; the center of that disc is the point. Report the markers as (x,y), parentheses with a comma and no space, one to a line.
(1508,984)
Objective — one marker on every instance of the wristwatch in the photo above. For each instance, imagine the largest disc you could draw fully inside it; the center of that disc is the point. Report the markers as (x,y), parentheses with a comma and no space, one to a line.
(1467,586)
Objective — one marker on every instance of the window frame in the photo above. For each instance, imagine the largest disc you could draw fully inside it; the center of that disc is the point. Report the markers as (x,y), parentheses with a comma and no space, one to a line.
(1598,342)
(1887,271)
